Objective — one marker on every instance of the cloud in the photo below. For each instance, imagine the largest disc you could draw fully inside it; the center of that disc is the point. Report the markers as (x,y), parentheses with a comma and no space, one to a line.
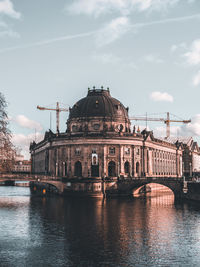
(96,7)
(95,33)
(3,25)
(22,142)
(109,58)
(7,8)
(9,33)
(106,58)
(6,31)
(49,41)
(27,123)
(196,79)
(189,129)
(175,47)
(161,131)
(124,7)
(158,96)
(151,58)
(112,31)
(192,128)
(193,55)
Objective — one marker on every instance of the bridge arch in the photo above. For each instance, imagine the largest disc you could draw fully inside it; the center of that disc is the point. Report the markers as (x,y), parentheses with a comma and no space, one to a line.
(125,187)
(46,187)
(153,188)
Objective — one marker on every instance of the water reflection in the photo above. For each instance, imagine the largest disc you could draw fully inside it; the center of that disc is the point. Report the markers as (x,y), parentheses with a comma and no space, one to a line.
(95,232)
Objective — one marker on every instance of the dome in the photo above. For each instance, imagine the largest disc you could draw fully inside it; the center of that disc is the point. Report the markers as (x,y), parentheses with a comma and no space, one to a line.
(99,103)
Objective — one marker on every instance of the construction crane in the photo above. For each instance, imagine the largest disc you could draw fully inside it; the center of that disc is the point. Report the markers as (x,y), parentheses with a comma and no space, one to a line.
(58,110)
(165,120)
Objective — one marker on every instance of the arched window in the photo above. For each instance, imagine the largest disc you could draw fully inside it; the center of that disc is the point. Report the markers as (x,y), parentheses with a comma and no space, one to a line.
(137,167)
(111,169)
(78,169)
(127,167)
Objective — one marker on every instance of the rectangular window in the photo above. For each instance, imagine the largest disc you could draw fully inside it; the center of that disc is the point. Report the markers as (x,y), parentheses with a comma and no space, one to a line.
(127,151)
(77,151)
(138,151)
(94,150)
(112,150)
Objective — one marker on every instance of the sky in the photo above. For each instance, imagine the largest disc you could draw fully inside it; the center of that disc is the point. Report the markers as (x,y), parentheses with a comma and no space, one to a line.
(146,51)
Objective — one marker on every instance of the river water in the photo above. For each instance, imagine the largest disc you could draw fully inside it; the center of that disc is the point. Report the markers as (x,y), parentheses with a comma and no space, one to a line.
(55,231)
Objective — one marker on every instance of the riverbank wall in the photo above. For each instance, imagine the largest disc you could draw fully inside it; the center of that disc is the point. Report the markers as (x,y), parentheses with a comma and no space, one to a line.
(193,191)
(22,176)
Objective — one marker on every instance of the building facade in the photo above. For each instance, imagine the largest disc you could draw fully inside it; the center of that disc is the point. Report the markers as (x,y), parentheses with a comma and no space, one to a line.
(99,143)
(191,157)
(22,166)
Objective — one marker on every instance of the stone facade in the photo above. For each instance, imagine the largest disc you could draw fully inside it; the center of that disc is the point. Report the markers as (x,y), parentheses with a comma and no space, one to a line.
(99,143)
(191,157)
(22,166)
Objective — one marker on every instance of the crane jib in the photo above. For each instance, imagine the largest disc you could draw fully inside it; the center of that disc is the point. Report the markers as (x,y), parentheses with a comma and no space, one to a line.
(58,110)
(165,120)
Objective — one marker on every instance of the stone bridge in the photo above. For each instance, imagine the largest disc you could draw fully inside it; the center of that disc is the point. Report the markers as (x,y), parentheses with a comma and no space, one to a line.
(103,187)
(47,187)
(126,187)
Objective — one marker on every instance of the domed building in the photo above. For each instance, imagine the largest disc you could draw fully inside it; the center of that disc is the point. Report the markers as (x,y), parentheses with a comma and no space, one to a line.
(100,144)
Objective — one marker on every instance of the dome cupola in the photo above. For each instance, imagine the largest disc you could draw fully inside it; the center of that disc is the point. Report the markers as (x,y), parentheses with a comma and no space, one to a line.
(98,111)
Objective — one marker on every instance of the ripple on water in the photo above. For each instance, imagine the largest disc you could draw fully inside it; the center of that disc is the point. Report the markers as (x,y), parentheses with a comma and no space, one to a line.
(92,232)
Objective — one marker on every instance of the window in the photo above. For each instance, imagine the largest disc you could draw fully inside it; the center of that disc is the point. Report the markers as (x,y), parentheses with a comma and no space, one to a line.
(96,126)
(138,151)
(74,128)
(127,167)
(111,169)
(137,167)
(112,150)
(94,150)
(78,169)
(127,151)
(77,151)
(97,103)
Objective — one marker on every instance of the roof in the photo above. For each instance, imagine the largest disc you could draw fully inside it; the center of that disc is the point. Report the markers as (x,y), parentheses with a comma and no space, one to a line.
(181,139)
(99,103)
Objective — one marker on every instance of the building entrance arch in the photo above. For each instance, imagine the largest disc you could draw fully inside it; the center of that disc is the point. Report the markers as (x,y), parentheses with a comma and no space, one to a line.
(111,169)
(78,169)
(126,167)
(94,170)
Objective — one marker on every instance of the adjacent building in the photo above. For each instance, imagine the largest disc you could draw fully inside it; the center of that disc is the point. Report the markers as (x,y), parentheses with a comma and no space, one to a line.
(22,166)
(191,155)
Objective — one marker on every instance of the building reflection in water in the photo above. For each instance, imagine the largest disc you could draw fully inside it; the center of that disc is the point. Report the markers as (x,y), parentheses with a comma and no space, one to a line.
(96,232)
(55,231)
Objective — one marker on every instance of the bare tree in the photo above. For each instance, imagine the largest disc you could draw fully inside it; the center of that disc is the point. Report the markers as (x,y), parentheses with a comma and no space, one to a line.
(7,151)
